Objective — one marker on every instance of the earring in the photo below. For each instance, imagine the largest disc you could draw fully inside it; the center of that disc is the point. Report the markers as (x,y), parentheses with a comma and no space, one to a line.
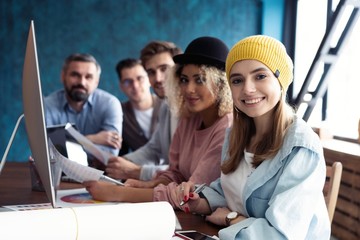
(237,110)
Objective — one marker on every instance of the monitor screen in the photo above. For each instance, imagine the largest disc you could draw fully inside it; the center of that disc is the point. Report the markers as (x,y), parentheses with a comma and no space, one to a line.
(34,115)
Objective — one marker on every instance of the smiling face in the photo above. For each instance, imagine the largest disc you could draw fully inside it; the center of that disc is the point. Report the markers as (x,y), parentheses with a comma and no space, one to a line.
(157,68)
(254,88)
(193,87)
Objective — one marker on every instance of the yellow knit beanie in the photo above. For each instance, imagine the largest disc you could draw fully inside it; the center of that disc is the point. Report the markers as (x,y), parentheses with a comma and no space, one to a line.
(267,50)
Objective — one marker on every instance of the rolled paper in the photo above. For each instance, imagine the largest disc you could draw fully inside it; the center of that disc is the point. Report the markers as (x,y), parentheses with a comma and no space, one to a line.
(128,221)
(59,223)
(153,220)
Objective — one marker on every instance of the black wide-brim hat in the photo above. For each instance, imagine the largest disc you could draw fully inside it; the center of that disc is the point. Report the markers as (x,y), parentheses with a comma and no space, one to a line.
(204,50)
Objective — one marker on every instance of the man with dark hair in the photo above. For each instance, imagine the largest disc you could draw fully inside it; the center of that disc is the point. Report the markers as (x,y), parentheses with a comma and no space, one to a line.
(96,114)
(157,59)
(142,108)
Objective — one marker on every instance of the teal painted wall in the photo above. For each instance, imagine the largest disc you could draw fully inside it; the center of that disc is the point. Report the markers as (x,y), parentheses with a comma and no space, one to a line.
(273,18)
(108,29)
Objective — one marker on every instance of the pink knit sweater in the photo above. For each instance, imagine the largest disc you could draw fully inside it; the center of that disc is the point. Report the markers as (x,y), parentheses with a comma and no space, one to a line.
(194,155)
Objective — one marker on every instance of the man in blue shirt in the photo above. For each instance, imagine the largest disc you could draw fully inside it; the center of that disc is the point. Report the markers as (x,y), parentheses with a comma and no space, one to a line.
(96,114)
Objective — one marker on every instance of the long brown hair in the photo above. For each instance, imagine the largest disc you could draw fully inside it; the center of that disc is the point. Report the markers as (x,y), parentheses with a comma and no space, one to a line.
(244,128)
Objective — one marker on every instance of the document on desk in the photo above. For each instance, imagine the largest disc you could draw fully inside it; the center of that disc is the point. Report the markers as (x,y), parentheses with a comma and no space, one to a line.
(73,169)
(77,197)
(88,145)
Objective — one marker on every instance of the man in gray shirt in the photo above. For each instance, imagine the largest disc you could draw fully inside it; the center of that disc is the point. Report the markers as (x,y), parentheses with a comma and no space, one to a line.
(157,59)
(96,114)
(141,110)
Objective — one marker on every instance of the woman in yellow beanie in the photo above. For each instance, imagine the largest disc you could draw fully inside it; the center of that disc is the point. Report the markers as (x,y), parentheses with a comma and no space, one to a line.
(273,169)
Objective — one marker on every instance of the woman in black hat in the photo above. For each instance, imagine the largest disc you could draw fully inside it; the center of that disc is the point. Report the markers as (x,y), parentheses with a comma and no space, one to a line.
(199,93)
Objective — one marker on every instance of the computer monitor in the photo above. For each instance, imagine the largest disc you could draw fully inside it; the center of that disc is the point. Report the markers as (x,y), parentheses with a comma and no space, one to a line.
(34,116)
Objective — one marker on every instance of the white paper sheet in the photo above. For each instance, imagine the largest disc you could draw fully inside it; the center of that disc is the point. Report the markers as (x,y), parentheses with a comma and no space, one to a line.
(76,153)
(88,145)
(73,169)
(133,221)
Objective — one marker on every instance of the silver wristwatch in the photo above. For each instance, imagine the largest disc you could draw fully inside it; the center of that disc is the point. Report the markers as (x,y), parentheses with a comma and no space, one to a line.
(231,216)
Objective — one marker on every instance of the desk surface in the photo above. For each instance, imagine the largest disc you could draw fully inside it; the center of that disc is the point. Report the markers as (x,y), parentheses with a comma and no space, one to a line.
(15,189)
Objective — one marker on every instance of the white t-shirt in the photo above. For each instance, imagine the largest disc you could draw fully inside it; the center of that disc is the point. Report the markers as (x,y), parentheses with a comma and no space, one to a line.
(144,120)
(233,184)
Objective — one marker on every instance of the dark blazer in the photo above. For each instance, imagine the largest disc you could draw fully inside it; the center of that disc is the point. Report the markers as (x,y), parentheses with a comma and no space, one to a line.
(132,134)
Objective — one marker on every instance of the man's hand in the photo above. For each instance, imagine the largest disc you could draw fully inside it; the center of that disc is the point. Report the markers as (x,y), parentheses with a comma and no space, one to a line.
(107,138)
(120,168)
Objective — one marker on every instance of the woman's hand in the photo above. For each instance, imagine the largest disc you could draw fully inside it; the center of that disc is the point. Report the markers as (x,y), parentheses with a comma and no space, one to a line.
(219,215)
(140,184)
(189,201)
(103,191)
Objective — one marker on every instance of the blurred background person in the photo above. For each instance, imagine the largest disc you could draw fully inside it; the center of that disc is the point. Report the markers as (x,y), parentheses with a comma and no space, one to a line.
(141,111)
(157,59)
(96,113)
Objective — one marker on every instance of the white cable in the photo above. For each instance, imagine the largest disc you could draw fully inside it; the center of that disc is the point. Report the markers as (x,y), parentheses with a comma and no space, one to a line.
(3,160)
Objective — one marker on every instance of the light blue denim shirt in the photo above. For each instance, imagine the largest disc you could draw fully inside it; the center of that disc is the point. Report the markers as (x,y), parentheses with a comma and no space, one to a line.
(102,111)
(283,197)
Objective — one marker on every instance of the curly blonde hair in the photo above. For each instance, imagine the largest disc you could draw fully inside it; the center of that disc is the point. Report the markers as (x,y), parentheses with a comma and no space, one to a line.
(217,85)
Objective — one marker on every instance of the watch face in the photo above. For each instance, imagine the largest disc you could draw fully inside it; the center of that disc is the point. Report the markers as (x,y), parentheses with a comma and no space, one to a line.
(232,215)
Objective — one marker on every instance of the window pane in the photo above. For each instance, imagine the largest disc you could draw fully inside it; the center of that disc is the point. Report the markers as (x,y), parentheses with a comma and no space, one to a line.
(344,89)
(343,110)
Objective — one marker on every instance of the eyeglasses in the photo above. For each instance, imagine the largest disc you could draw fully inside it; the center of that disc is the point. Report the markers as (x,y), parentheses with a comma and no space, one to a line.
(128,82)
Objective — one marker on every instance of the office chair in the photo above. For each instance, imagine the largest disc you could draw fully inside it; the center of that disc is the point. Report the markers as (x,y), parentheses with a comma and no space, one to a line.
(331,188)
